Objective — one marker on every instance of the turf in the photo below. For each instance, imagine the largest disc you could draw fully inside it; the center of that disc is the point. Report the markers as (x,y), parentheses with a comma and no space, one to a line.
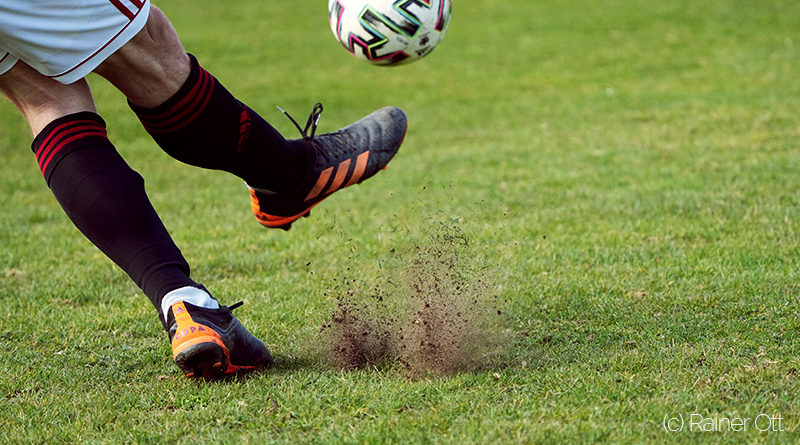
(626,173)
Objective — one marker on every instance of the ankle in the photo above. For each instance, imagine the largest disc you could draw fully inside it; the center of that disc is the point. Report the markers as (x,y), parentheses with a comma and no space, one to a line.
(189,294)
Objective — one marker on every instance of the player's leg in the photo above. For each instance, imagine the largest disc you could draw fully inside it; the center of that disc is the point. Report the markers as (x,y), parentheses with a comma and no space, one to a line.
(106,201)
(102,196)
(191,115)
(202,124)
(42,100)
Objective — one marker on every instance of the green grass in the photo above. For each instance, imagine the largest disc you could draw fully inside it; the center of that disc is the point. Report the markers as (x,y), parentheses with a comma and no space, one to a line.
(628,172)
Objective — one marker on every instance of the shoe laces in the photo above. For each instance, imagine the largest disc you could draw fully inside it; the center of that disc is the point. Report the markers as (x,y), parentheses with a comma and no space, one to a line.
(313,120)
(331,146)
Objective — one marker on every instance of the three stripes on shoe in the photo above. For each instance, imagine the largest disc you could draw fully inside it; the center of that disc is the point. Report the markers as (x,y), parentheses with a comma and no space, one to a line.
(341,174)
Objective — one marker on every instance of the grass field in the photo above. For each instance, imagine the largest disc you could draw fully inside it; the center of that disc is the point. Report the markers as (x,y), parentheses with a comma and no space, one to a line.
(627,174)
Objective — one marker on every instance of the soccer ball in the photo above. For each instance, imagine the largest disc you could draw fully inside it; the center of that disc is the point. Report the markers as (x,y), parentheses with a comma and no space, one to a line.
(389,32)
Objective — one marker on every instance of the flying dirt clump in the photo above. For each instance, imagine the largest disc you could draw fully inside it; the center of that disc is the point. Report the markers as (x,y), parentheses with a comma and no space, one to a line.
(358,333)
(436,315)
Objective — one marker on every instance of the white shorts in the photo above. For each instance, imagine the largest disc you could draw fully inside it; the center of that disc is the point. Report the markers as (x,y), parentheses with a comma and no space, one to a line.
(66,39)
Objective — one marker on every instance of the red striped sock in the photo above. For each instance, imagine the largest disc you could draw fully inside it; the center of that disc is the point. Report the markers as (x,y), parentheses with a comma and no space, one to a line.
(106,201)
(65,135)
(203,125)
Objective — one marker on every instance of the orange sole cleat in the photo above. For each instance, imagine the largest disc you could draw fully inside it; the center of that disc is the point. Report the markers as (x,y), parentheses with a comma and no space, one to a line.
(210,343)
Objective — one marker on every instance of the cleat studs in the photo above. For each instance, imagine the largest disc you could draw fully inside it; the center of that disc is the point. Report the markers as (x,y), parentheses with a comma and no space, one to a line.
(307,214)
(217,365)
(190,375)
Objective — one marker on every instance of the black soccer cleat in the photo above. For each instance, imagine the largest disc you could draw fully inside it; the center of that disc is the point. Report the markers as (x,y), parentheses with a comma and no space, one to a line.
(212,342)
(336,160)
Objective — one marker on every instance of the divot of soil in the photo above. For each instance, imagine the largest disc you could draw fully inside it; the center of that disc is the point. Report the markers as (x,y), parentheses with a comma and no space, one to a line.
(438,317)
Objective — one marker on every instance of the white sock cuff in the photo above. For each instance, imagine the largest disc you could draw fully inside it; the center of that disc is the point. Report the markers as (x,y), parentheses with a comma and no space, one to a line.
(189,294)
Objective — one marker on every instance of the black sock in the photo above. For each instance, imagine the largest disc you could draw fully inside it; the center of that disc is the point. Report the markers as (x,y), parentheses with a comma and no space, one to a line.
(205,126)
(106,201)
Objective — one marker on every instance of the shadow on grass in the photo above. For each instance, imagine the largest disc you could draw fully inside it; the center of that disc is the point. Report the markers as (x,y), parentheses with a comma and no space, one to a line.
(290,364)
(282,365)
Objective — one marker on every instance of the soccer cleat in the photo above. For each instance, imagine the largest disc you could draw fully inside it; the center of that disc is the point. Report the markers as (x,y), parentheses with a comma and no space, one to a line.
(335,160)
(212,342)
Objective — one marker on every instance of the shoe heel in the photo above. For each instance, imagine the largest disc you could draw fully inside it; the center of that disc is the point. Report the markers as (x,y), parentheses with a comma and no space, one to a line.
(205,359)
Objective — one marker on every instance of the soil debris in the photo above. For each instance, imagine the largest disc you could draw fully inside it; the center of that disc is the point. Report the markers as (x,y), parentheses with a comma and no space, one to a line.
(436,314)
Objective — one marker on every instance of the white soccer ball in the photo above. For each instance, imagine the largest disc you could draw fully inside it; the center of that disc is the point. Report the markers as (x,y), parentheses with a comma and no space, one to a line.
(389,32)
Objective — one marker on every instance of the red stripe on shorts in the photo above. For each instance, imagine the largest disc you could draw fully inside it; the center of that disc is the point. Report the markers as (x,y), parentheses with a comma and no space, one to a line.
(133,16)
(123,9)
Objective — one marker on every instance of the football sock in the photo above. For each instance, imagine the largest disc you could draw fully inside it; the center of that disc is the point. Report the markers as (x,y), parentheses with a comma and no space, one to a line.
(203,125)
(189,294)
(106,201)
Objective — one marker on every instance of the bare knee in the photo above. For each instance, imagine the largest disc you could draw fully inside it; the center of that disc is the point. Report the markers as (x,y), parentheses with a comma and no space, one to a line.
(160,36)
(41,99)
(152,66)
